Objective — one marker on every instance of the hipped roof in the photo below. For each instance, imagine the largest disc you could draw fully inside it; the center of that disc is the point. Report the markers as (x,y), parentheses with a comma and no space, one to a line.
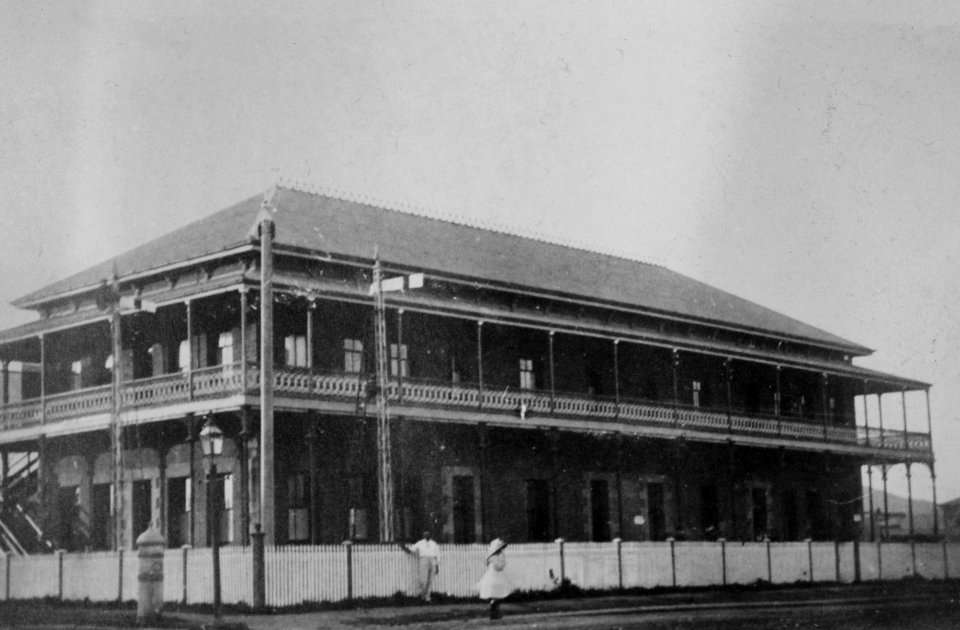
(327,224)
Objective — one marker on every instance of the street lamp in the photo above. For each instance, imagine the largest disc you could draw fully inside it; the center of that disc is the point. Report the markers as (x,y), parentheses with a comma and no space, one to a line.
(211,439)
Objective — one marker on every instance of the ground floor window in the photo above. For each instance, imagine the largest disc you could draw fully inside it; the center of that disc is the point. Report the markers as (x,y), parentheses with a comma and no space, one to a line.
(538,510)
(464,511)
(709,511)
(656,509)
(70,534)
(759,515)
(100,516)
(178,512)
(599,510)
(141,509)
(298,508)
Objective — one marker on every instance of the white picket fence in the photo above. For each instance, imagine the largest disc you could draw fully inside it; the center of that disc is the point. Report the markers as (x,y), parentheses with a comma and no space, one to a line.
(300,574)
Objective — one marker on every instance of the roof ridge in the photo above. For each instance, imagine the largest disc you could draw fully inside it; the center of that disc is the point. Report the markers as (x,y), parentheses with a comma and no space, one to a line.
(450,217)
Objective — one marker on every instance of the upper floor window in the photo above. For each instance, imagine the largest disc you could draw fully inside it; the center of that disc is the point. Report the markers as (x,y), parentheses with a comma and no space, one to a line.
(225,348)
(695,386)
(398,360)
(352,355)
(295,351)
(527,380)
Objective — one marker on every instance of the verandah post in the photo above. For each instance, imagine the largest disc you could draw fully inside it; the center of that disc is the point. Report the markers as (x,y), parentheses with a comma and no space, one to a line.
(810,557)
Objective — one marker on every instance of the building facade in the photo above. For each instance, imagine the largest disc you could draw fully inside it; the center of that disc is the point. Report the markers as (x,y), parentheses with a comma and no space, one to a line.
(376,373)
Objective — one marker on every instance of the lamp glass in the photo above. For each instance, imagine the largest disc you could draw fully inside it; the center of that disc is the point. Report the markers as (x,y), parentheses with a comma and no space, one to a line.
(211,437)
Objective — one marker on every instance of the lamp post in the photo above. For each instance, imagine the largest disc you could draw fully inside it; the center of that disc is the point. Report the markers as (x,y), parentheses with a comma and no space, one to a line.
(211,438)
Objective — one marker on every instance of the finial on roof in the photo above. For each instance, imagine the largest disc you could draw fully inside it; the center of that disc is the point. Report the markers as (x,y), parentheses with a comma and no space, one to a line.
(268,207)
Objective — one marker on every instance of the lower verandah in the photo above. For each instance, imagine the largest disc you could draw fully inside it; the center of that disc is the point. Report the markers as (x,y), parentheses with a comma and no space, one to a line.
(466,483)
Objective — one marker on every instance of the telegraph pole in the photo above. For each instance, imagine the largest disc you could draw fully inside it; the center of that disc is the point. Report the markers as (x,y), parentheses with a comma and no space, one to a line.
(266,230)
(384,460)
(116,429)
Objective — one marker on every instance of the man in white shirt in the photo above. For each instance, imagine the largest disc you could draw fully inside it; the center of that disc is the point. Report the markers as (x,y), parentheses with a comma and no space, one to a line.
(428,555)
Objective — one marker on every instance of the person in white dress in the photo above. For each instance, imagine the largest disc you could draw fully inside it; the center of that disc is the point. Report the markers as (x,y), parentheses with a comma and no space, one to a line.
(494,585)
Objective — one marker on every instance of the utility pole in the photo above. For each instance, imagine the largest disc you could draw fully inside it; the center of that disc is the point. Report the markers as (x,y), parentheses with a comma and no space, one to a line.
(265,228)
(384,459)
(116,429)
(384,455)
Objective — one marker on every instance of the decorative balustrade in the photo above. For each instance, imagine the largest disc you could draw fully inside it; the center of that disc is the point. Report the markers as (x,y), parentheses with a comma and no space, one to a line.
(466,395)
(227,380)
(158,390)
(79,403)
(20,414)
(217,380)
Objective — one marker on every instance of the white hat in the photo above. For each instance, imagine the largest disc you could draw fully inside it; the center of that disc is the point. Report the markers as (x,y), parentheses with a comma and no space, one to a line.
(496,546)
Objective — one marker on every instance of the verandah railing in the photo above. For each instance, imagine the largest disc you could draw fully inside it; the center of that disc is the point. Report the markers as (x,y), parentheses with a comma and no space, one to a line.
(228,380)
(334,573)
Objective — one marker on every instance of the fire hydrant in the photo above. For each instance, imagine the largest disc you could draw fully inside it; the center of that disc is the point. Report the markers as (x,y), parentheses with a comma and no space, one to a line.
(150,547)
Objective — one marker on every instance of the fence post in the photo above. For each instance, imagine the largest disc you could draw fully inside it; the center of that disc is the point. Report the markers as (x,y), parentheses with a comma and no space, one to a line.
(349,545)
(120,576)
(723,560)
(946,562)
(183,567)
(6,569)
(259,570)
(810,557)
(879,562)
(563,568)
(913,557)
(836,559)
(673,562)
(856,561)
(60,575)
(769,563)
(619,542)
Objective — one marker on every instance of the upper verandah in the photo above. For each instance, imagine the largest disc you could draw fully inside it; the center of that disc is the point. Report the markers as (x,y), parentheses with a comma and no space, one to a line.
(332,224)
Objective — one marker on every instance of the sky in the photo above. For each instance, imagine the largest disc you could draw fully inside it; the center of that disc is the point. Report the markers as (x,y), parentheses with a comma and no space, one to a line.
(803,155)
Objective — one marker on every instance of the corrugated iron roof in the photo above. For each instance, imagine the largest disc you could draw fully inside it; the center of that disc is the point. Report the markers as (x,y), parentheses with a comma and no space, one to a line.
(344,227)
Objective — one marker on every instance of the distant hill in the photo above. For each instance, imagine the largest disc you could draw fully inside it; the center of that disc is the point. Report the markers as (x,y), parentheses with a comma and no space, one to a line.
(897,508)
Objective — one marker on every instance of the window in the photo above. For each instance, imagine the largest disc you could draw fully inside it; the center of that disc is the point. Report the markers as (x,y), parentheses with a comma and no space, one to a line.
(295,351)
(538,510)
(352,355)
(526,374)
(398,360)
(464,509)
(225,348)
(696,393)
(709,511)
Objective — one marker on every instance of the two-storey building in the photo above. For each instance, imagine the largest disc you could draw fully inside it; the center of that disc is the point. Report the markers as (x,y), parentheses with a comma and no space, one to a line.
(533,391)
